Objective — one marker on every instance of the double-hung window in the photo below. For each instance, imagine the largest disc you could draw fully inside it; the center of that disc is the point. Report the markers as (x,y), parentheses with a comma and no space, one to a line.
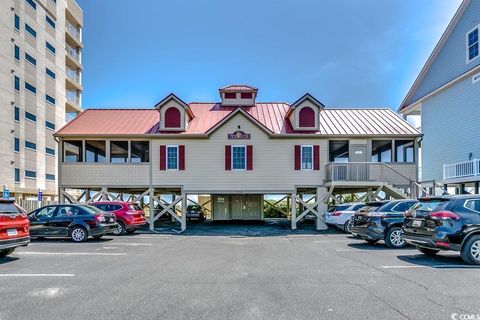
(172,157)
(239,158)
(17,53)
(473,44)
(50,47)
(50,21)
(16,23)
(30,30)
(307,157)
(30,59)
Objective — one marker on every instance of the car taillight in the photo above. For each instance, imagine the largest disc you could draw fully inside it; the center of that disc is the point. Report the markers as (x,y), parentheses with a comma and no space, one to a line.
(100,218)
(444,215)
(442,244)
(336,213)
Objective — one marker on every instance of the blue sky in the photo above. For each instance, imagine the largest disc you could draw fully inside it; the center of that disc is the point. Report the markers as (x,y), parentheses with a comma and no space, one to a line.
(345,52)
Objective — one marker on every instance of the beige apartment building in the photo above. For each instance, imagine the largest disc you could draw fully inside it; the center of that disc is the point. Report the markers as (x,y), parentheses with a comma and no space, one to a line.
(40,89)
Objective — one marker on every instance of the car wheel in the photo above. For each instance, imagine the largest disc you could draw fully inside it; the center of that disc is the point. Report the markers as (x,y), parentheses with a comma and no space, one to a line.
(79,234)
(131,231)
(347,227)
(121,229)
(428,252)
(471,250)
(6,252)
(370,241)
(97,237)
(394,238)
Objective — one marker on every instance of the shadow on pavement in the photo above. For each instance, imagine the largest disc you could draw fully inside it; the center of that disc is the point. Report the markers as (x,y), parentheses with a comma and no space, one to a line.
(266,228)
(8,259)
(107,238)
(374,247)
(439,261)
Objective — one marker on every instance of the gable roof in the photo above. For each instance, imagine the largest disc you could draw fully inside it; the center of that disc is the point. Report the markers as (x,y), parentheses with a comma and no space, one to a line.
(173,97)
(434,54)
(208,116)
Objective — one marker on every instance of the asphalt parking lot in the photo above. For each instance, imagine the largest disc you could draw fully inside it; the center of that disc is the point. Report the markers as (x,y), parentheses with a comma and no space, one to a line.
(233,273)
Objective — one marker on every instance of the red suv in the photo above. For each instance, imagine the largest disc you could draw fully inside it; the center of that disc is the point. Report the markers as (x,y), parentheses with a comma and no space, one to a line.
(129,215)
(14,227)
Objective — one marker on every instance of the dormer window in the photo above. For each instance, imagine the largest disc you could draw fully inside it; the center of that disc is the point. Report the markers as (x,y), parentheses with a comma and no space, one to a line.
(173,118)
(246,95)
(306,117)
(304,114)
(174,114)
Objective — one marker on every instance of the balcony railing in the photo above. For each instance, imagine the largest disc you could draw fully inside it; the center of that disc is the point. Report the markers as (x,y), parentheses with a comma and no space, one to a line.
(69,116)
(72,75)
(461,169)
(73,31)
(73,53)
(401,175)
(72,97)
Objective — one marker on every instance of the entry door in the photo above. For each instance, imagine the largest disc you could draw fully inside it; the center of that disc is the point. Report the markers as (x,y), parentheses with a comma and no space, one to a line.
(220,207)
(252,207)
(237,207)
(358,172)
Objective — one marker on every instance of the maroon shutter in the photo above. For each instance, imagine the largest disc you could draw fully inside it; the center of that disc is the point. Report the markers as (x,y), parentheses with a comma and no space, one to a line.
(181,157)
(228,158)
(163,164)
(316,157)
(249,157)
(297,158)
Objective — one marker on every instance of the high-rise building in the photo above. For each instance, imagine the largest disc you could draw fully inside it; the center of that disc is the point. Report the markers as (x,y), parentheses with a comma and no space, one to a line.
(40,89)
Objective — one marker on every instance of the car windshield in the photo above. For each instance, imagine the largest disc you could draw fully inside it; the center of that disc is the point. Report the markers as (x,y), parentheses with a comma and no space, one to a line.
(194,207)
(8,208)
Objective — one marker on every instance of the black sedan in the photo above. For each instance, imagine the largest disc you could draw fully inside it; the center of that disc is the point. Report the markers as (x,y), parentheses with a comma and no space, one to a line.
(77,222)
(385,223)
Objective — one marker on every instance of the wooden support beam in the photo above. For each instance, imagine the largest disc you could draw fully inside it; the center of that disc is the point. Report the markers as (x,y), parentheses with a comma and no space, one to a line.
(151,196)
(294,211)
(320,220)
(184,212)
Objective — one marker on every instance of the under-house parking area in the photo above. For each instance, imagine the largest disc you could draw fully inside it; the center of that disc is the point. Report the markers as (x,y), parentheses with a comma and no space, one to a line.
(237,272)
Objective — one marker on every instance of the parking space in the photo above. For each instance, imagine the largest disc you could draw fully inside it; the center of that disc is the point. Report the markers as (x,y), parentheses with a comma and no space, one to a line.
(204,275)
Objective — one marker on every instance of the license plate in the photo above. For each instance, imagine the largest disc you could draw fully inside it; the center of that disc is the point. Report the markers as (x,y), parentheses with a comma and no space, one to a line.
(12,232)
(416,223)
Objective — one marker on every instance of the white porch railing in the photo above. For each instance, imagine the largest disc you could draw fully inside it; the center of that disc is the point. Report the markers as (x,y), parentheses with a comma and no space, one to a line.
(461,169)
(397,175)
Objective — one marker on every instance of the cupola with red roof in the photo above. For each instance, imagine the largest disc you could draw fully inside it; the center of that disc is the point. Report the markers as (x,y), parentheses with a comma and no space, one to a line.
(238,95)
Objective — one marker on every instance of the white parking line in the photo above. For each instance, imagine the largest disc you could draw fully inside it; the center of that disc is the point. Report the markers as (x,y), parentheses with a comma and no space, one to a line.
(72,253)
(402,267)
(132,244)
(37,275)
(435,266)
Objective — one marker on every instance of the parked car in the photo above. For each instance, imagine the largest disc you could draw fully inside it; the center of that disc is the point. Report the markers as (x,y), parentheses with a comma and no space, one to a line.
(14,227)
(384,223)
(195,212)
(445,223)
(129,215)
(78,222)
(338,216)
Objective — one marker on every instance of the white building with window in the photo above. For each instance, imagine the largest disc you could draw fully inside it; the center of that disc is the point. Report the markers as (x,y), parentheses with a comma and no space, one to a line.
(446,95)
(236,151)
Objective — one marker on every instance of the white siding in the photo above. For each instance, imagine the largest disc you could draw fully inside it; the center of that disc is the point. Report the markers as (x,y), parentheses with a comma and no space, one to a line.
(273,162)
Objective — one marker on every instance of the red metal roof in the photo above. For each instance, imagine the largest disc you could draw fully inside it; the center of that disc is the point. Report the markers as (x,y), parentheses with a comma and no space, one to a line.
(333,121)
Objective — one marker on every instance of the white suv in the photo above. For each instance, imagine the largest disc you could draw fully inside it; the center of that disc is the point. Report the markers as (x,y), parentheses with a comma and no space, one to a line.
(339,215)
